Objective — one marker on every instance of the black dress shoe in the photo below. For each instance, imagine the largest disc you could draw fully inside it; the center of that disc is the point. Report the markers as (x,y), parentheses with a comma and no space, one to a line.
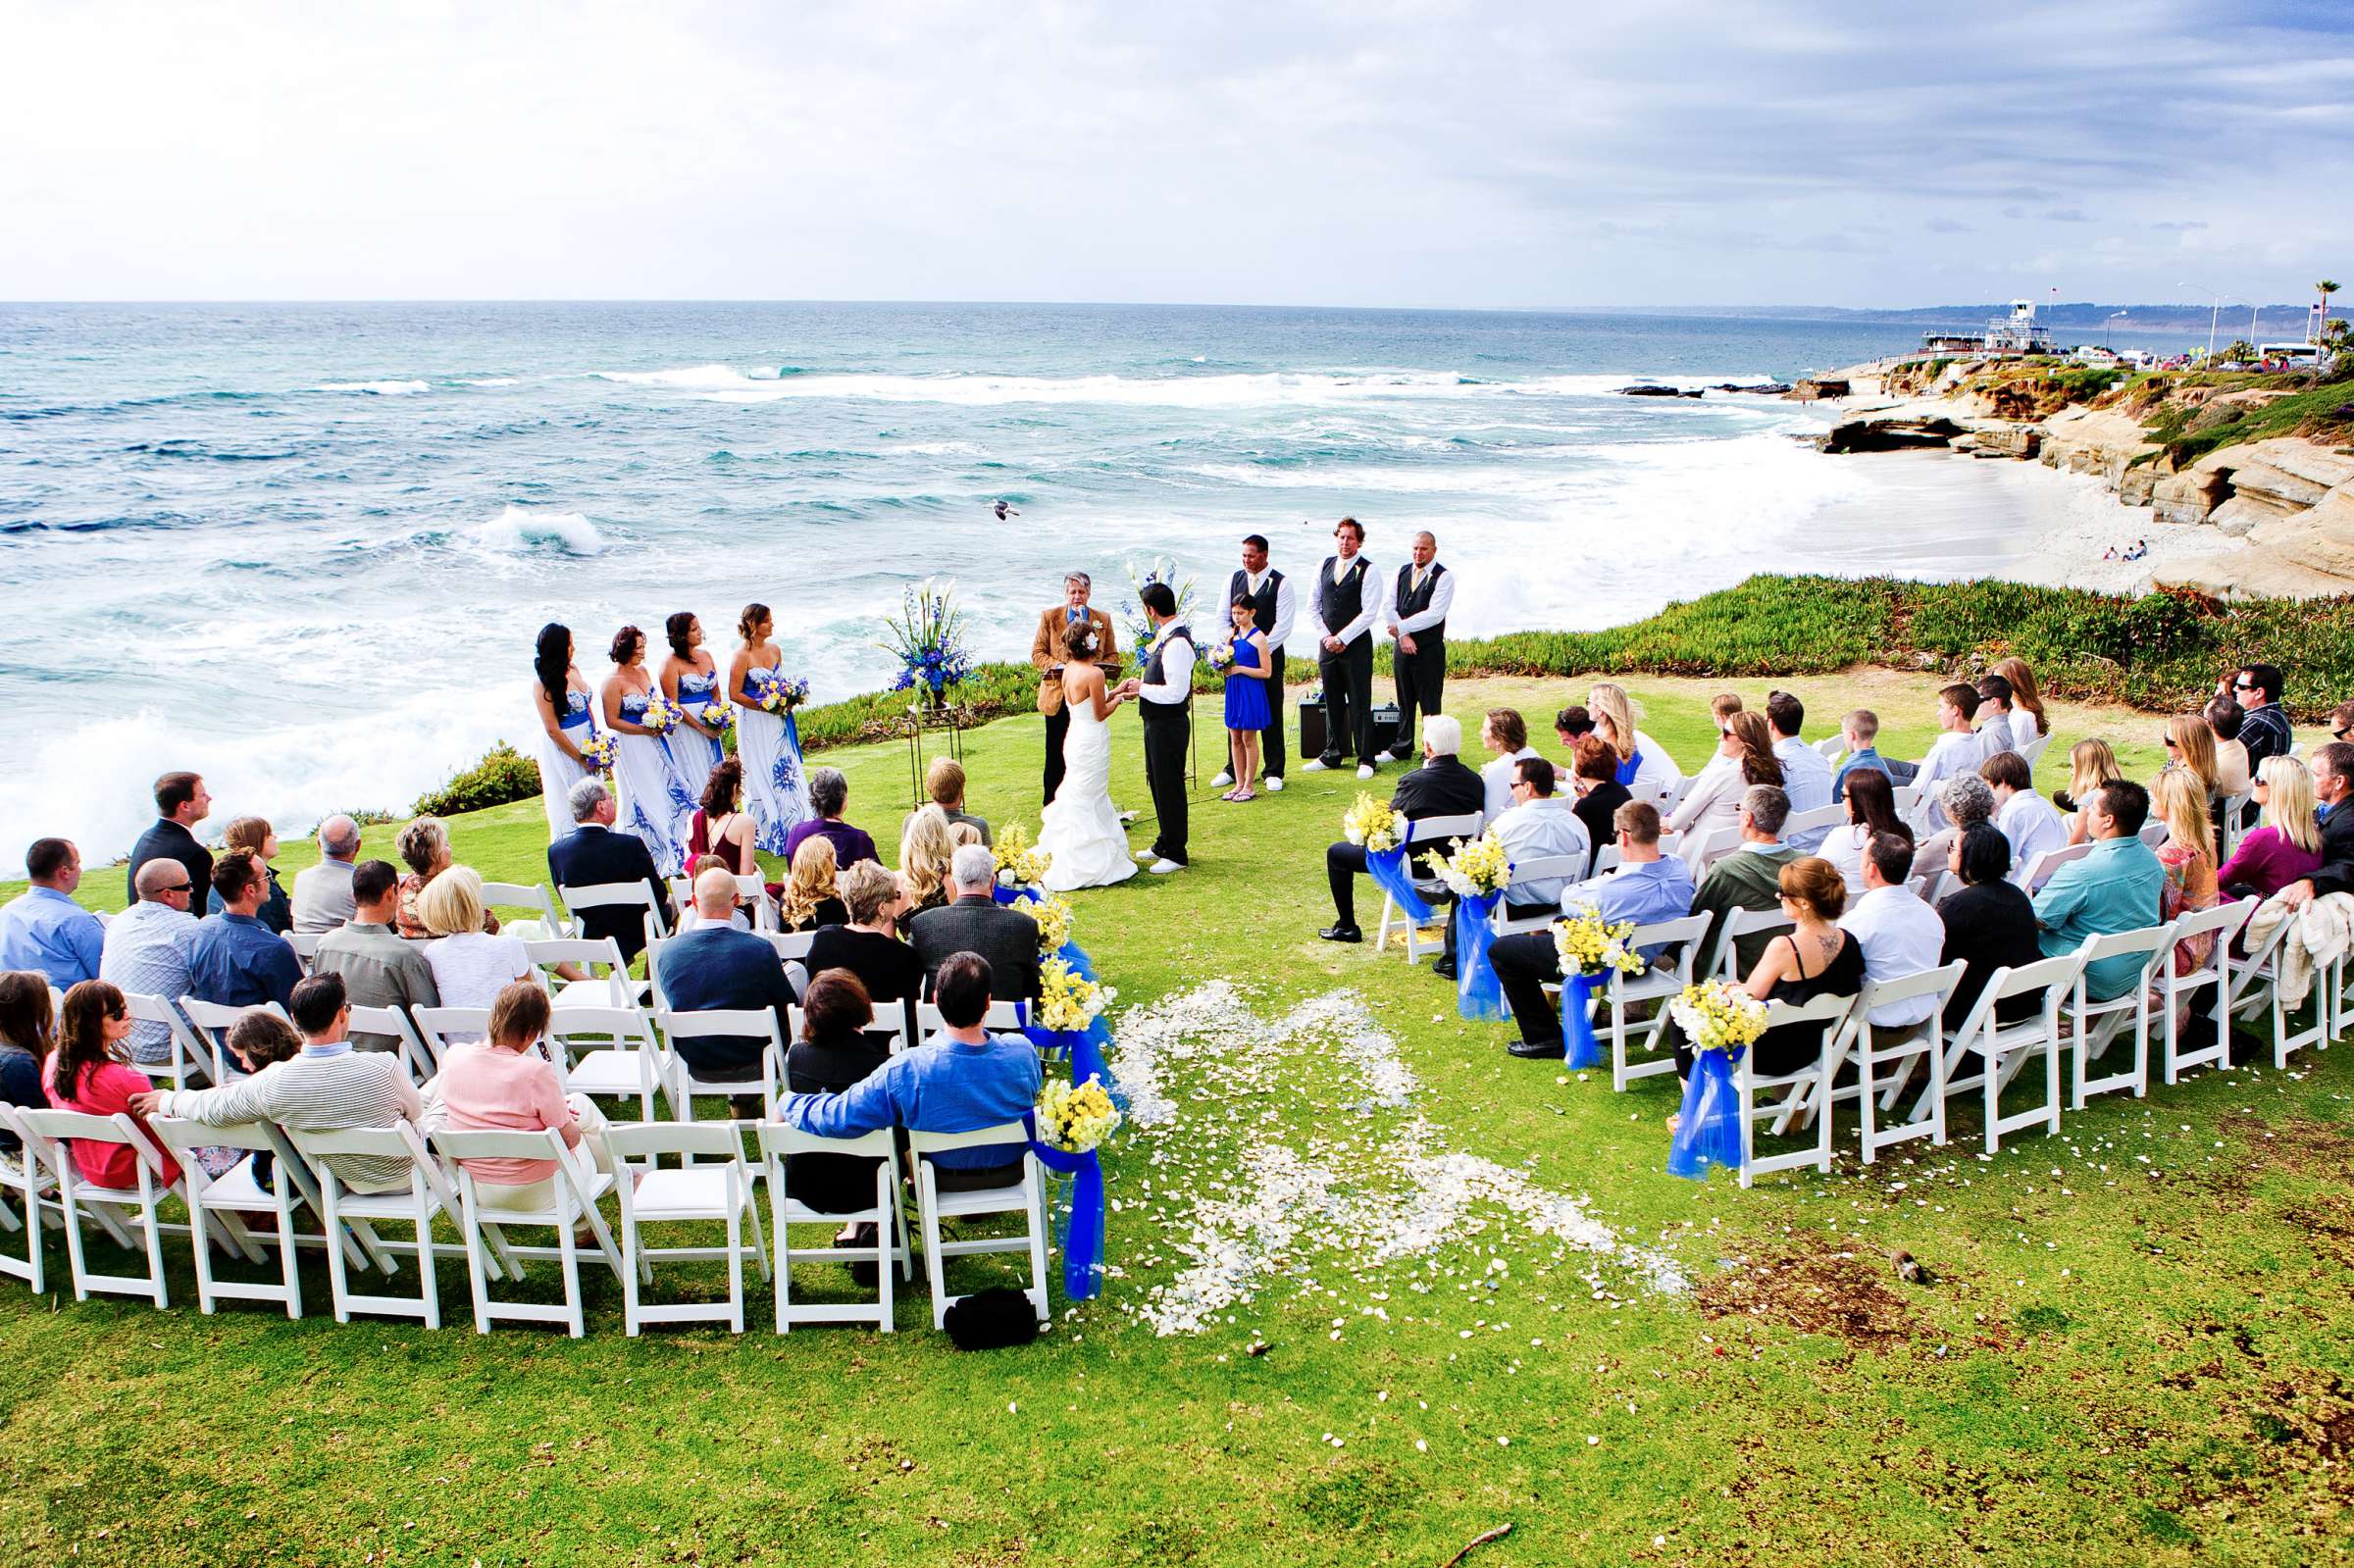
(1544,1053)
(1443,969)
(1342,934)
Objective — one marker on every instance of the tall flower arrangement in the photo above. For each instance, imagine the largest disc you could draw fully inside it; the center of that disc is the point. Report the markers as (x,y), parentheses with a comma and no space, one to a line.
(1164,570)
(927,637)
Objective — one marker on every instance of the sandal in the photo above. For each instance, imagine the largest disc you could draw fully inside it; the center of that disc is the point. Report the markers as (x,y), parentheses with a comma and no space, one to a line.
(1241,796)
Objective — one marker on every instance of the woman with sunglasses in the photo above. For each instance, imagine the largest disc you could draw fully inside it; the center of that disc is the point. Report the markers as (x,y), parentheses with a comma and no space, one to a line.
(91,1072)
(2288,848)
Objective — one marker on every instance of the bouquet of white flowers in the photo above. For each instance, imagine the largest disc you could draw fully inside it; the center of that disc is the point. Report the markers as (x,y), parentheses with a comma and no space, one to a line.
(1373,823)
(1591,946)
(662,714)
(1477,868)
(1075,1117)
(1718,1015)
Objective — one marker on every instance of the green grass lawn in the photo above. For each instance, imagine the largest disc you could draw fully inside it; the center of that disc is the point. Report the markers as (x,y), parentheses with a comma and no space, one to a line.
(2134,1348)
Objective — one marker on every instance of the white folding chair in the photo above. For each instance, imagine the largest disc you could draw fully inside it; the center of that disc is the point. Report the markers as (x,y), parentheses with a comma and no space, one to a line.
(2175,991)
(1026,1196)
(1830,748)
(610,1054)
(1704,849)
(27,1175)
(2034,749)
(758,1023)
(306,946)
(428,1195)
(2001,1049)
(1821,817)
(1907,801)
(444,1029)
(791,945)
(721,1192)
(2255,986)
(2035,873)
(750,888)
(212,1022)
(415,1054)
(2095,1025)
(779,1145)
(1428,831)
(574,1194)
(2235,821)
(1725,959)
(1542,868)
(1877,1048)
(1790,1091)
(188,1053)
(1608,859)
(1663,978)
(52,1133)
(612,988)
(232,1196)
(2154,835)
(615,895)
(892,1031)
(530,895)
(1002,1018)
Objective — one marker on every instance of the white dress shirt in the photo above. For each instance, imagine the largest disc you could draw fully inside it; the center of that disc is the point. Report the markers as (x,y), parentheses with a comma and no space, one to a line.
(1287,605)
(1900,936)
(1997,732)
(1177,664)
(1498,777)
(1374,597)
(2032,824)
(1807,780)
(1544,827)
(1954,753)
(1442,594)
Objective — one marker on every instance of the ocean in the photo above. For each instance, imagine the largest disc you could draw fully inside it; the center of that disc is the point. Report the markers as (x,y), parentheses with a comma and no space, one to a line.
(305,549)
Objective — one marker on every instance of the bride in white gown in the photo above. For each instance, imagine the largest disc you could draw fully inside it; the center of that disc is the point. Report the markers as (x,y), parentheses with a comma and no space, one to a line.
(1079,828)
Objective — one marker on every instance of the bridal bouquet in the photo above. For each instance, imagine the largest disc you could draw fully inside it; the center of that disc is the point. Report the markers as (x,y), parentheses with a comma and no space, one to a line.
(662,714)
(1477,868)
(1373,823)
(1589,947)
(718,717)
(927,637)
(777,693)
(1066,1002)
(1019,865)
(1718,1015)
(597,751)
(1075,1117)
(1054,917)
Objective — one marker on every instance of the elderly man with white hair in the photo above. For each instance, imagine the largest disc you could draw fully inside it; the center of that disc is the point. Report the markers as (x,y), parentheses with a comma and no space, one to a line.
(1441,788)
(322,898)
(715,968)
(973,922)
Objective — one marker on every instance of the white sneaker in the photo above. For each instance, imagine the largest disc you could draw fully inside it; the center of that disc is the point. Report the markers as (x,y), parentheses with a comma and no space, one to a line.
(1274,785)
(1127,817)
(1312,765)
(1146,854)
(1222,780)
(1161,868)
(1364,770)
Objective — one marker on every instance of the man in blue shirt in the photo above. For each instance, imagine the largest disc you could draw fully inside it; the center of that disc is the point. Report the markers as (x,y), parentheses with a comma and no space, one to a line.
(1806,777)
(715,968)
(43,928)
(962,1079)
(2114,888)
(1646,889)
(1861,729)
(235,960)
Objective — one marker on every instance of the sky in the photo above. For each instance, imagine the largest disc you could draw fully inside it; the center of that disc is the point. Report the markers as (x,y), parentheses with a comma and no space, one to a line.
(1360,152)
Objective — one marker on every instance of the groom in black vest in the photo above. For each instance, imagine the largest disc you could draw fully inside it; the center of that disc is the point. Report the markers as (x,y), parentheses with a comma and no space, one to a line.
(1165,690)
(1418,622)
(1349,605)
(1269,595)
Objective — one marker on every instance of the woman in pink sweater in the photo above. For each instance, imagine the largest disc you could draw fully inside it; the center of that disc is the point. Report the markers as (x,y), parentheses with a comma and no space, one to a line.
(505,1084)
(2289,846)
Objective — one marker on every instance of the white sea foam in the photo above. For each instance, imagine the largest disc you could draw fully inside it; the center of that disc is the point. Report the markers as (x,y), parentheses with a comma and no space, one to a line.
(490,381)
(692,378)
(375,388)
(520,530)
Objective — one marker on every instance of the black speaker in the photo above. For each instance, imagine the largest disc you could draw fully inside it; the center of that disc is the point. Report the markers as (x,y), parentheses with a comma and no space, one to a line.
(1312,727)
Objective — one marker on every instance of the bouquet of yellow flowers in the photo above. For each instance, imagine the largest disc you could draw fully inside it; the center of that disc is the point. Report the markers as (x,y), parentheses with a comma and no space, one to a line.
(1718,1015)
(777,692)
(1066,1002)
(1019,865)
(1372,823)
(662,714)
(597,750)
(1590,947)
(1221,657)
(718,717)
(1477,868)
(1075,1117)
(1054,917)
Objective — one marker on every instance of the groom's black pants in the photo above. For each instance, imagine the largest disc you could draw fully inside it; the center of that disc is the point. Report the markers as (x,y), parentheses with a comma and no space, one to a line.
(1166,734)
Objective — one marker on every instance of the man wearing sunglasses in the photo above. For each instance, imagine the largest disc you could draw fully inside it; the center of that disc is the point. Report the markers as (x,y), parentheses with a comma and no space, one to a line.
(2263,727)
(147,948)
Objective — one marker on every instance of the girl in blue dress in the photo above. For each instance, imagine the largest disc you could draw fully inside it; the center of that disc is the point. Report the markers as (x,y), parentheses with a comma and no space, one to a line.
(1245,700)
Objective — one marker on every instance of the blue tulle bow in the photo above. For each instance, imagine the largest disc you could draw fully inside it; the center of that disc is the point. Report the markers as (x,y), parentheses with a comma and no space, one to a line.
(1708,1130)
(1081,1232)
(1579,1047)
(1013,895)
(1478,995)
(1086,1049)
(1394,875)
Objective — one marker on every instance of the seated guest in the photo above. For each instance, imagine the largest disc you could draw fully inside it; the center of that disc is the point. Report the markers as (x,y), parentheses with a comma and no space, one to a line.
(715,969)
(1646,889)
(1900,935)
(1996,731)
(961,1079)
(503,1083)
(90,1072)
(424,846)
(235,960)
(2287,846)
(1859,730)
(691,917)
(2231,770)
(810,900)
(470,966)
(1715,799)
(1750,877)
(180,803)
(594,855)
(1870,811)
(721,827)
(1958,749)
(1538,825)
(2027,820)
(834,1055)
(2114,888)
(1643,766)
(2264,728)
(322,893)
(1504,734)
(43,928)
(2332,770)
(1572,725)
(27,1027)
(258,839)
(2090,765)
(924,859)
(147,948)
(1814,958)
(943,783)
(326,1088)
(2188,855)
(830,797)
(974,923)
(1593,779)
(1806,772)
(868,943)
(1990,924)
(376,967)
(1965,799)
(2189,743)
(2028,721)
(1441,788)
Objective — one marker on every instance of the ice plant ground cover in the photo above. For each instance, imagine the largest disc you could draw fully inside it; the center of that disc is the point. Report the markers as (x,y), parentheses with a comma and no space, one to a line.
(2132,1348)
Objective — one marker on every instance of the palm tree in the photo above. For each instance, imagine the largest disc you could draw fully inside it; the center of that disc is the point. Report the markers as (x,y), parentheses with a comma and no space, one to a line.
(2327,287)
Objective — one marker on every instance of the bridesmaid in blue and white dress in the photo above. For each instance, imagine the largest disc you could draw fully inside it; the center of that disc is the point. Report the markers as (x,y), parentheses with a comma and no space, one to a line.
(652,795)
(561,697)
(690,679)
(768,744)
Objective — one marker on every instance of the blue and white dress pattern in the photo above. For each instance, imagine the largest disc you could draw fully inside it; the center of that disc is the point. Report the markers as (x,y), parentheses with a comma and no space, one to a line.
(652,795)
(769,746)
(558,772)
(695,753)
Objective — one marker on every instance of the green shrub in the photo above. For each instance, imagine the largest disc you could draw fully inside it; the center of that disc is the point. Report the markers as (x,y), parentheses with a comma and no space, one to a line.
(502,775)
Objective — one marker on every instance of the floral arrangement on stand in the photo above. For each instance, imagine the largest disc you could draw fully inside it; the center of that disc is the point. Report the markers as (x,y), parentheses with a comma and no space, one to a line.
(1054,917)
(1068,1126)
(1372,823)
(927,637)
(1020,864)
(1068,1002)
(1076,1117)
(1164,570)
(1477,873)
(1721,1020)
(1589,947)
(1478,867)
(598,751)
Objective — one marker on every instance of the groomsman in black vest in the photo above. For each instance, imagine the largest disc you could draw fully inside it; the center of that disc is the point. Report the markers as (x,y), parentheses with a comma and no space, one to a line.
(1349,606)
(1165,687)
(1419,623)
(1269,595)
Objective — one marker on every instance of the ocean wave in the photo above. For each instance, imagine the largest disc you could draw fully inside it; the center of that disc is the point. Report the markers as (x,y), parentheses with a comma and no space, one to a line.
(692,378)
(490,381)
(521,530)
(375,388)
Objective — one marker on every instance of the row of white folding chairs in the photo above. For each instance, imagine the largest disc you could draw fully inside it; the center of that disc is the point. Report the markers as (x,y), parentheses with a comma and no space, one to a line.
(527,895)
(712,1181)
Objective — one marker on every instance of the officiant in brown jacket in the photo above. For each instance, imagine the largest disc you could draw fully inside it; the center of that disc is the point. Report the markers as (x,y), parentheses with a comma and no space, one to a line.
(1046,652)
